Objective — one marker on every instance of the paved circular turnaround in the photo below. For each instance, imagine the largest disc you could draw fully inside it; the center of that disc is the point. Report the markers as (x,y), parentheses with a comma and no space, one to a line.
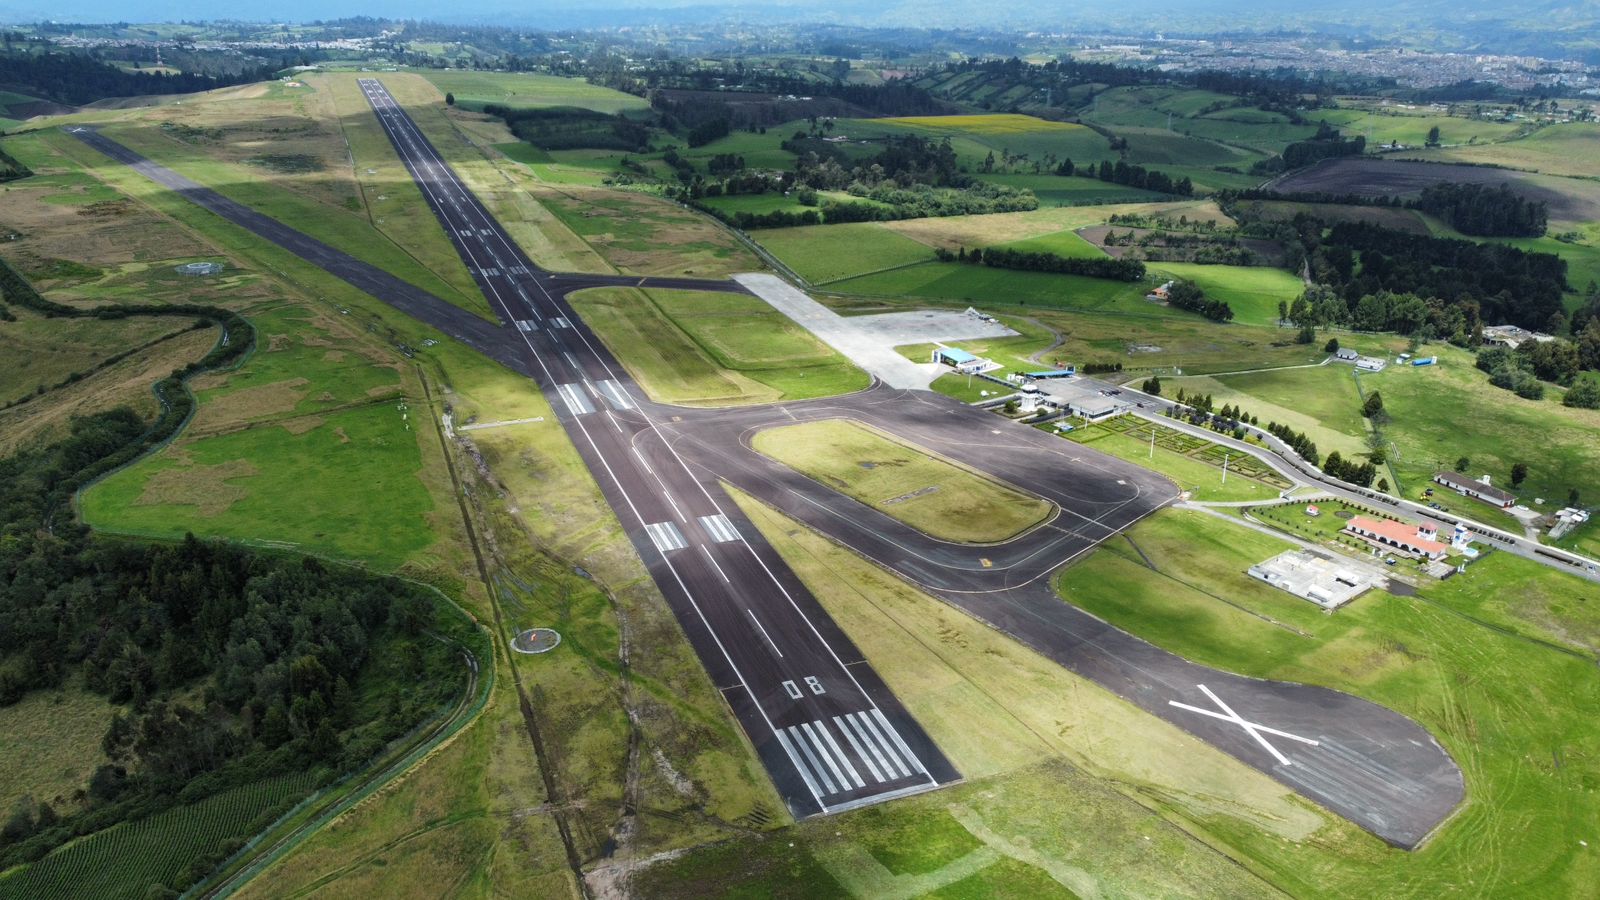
(536,640)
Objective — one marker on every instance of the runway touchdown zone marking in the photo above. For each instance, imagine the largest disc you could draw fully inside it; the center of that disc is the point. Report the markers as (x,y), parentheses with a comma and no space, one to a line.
(720,528)
(666,536)
(577,403)
(1253,729)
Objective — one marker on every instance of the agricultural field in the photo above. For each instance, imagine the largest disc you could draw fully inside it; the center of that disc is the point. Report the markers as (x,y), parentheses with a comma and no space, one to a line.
(1470,658)
(973,137)
(1179,110)
(1565,149)
(698,348)
(1569,200)
(1407,220)
(1383,126)
(123,862)
(1059,190)
(822,254)
(528,91)
(38,354)
(937,497)
(1007,228)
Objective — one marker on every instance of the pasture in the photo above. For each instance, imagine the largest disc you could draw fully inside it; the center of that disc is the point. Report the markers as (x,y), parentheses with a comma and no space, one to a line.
(639,234)
(1456,658)
(1566,149)
(822,254)
(931,494)
(1321,401)
(1569,200)
(1252,292)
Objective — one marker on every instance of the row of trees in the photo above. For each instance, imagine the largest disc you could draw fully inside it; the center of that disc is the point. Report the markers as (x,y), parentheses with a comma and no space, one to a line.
(1036,261)
(1134,176)
(76,79)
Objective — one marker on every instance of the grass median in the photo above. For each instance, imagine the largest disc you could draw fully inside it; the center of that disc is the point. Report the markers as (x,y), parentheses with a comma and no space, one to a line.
(933,495)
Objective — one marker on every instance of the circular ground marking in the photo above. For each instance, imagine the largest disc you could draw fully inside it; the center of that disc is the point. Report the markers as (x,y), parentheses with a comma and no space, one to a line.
(1344,514)
(536,640)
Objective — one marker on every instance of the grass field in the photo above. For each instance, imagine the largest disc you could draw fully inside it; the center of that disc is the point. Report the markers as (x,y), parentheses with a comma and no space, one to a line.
(827,253)
(1253,292)
(38,352)
(1004,228)
(927,492)
(1196,466)
(1489,695)
(1059,190)
(1440,413)
(1410,127)
(1157,108)
(973,137)
(50,745)
(528,91)
(1321,401)
(1567,149)
(645,235)
(702,348)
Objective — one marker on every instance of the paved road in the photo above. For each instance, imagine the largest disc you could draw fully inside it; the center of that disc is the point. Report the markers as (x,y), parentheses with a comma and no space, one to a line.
(828,731)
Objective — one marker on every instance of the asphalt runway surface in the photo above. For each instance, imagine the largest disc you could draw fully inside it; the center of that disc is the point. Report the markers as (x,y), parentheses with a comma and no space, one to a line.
(828,731)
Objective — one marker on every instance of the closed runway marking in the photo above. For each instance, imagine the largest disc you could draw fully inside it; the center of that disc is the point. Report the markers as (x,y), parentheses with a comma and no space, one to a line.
(720,528)
(666,536)
(1251,728)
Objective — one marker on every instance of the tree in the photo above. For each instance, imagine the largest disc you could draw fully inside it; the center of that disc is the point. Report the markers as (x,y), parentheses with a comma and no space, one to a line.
(1463,464)
(1307,334)
(449,99)
(1332,346)
(1383,485)
(1572,497)
(1519,473)
(1152,386)
(1584,395)
(1433,136)
(1373,406)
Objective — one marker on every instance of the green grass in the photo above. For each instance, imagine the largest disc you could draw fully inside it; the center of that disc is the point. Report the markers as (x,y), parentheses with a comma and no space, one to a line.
(50,745)
(1194,465)
(1058,190)
(1410,127)
(1510,711)
(123,862)
(1443,412)
(964,283)
(647,235)
(827,253)
(933,495)
(974,137)
(528,91)
(1061,243)
(713,349)
(38,352)
(313,490)
(1148,107)
(1565,149)
(1321,401)
(1253,292)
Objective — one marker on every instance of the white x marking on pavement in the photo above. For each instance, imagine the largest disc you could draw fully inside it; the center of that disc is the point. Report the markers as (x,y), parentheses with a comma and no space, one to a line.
(1254,730)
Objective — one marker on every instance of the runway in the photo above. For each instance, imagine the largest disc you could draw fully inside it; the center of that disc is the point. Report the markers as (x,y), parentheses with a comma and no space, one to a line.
(827,730)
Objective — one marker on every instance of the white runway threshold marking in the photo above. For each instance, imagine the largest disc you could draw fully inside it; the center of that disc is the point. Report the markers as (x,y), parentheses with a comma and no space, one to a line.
(829,768)
(561,322)
(666,536)
(1253,729)
(720,528)
(527,325)
(577,403)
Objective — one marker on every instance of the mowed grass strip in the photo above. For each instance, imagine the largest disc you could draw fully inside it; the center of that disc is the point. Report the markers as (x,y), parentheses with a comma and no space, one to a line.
(826,253)
(927,492)
(522,90)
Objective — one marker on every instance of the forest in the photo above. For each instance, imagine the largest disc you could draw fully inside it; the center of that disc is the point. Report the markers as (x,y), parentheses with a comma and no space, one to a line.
(1033,261)
(1485,211)
(77,79)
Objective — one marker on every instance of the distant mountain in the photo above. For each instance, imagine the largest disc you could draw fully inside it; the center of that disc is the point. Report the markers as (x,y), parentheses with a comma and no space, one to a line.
(1542,27)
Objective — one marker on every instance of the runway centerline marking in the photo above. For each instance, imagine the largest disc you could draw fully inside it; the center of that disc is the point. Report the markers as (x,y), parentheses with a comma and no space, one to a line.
(753,618)
(1252,728)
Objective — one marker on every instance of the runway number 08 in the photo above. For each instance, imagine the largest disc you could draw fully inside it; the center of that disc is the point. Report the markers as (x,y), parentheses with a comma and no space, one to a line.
(811,682)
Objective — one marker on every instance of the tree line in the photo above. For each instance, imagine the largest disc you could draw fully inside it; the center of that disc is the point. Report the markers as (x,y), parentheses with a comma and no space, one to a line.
(76,79)
(1188,296)
(1038,261)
